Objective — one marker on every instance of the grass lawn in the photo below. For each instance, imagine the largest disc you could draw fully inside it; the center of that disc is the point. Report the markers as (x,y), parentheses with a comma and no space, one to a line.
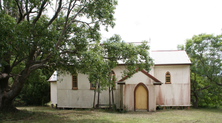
(51,115)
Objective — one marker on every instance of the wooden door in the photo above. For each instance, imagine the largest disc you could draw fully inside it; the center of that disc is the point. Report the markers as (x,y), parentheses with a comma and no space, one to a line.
(141,97)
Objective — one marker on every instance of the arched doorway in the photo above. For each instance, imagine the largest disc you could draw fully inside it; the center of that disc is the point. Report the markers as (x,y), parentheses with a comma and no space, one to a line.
(141,97)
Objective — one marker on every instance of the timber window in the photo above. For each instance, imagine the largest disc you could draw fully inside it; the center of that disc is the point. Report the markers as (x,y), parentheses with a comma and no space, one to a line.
(167,78)
(92,86)
(75,81)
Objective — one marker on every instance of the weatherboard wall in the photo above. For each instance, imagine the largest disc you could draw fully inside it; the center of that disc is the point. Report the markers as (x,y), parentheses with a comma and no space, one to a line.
(129,89)
(53,92)
(178,92)
(83,96)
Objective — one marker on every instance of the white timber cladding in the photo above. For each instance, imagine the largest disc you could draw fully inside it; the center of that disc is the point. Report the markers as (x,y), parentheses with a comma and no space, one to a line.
(83,96)
(178,92)
(129,88)
(53,92)
(175,93)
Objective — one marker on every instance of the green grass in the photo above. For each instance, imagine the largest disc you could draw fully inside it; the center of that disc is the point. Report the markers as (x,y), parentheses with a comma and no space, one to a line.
(51,115)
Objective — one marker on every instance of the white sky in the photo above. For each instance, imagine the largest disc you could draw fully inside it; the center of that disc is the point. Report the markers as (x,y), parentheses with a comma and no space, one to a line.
(166,22)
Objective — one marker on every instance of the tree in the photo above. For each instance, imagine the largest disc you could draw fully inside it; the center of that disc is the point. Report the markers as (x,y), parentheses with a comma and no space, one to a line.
(30,39)
(180,47)
(107,56)
(205,52)
(36,90)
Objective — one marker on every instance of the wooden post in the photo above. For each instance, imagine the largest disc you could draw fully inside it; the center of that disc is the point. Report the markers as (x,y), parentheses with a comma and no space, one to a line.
(164,108)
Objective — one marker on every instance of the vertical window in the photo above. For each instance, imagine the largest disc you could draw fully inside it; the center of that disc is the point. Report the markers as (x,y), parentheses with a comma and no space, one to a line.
(168,78)
(75,81)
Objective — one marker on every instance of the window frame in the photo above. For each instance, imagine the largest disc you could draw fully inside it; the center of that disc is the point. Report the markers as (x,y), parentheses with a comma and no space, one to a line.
(166,77)
(91,88)
(75,88)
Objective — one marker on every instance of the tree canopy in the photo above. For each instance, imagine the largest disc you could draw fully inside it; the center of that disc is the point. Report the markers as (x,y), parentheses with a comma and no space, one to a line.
(67,39)
(31,39)
(205,52)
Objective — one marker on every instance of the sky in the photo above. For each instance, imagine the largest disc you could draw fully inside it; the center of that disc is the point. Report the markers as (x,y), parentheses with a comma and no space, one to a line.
(165,23)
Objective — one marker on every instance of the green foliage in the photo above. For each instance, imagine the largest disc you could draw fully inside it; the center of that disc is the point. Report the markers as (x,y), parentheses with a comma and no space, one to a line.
(180,47)
(36,90)
(32,39)
(99,60)
(205,52)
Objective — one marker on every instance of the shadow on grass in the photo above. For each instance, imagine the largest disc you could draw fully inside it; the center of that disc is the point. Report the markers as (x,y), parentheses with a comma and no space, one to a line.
(204,109)
(28,116)
(48,115)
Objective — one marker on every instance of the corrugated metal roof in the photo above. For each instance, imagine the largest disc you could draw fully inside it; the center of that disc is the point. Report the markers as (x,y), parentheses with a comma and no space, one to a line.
(170,57)
(53,78)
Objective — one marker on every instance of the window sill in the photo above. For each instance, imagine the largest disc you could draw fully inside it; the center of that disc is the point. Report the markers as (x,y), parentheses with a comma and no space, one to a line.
(168,83)
(92,88)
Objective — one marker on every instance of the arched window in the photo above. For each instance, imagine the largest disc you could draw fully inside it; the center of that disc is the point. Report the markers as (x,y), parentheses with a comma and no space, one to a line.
(167,78)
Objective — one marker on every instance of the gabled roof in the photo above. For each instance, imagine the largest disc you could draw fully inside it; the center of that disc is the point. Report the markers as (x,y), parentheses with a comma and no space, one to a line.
(156,81)
(53,78)
(167,57)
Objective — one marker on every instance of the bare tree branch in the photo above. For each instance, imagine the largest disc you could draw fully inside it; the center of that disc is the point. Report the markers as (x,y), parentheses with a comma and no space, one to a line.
(40,12)
(56,13)
(88,24)
(17,62)
(73,19)
(36,66)
(210,78)
(203,88)
(218,84)
(20,12)
(1,5)
(26,7)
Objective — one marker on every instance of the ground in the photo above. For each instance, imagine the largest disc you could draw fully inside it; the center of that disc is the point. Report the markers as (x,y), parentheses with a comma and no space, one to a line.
(47,115)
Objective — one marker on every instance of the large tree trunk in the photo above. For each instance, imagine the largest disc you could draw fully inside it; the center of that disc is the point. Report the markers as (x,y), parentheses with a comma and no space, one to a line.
(8,94)
(195,101)
(6,103)
(6,100)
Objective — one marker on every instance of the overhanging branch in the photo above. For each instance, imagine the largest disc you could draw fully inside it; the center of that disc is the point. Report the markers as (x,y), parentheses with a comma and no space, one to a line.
(203,88)
(36,66)
(56,13)
(40,12)
(20,12)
